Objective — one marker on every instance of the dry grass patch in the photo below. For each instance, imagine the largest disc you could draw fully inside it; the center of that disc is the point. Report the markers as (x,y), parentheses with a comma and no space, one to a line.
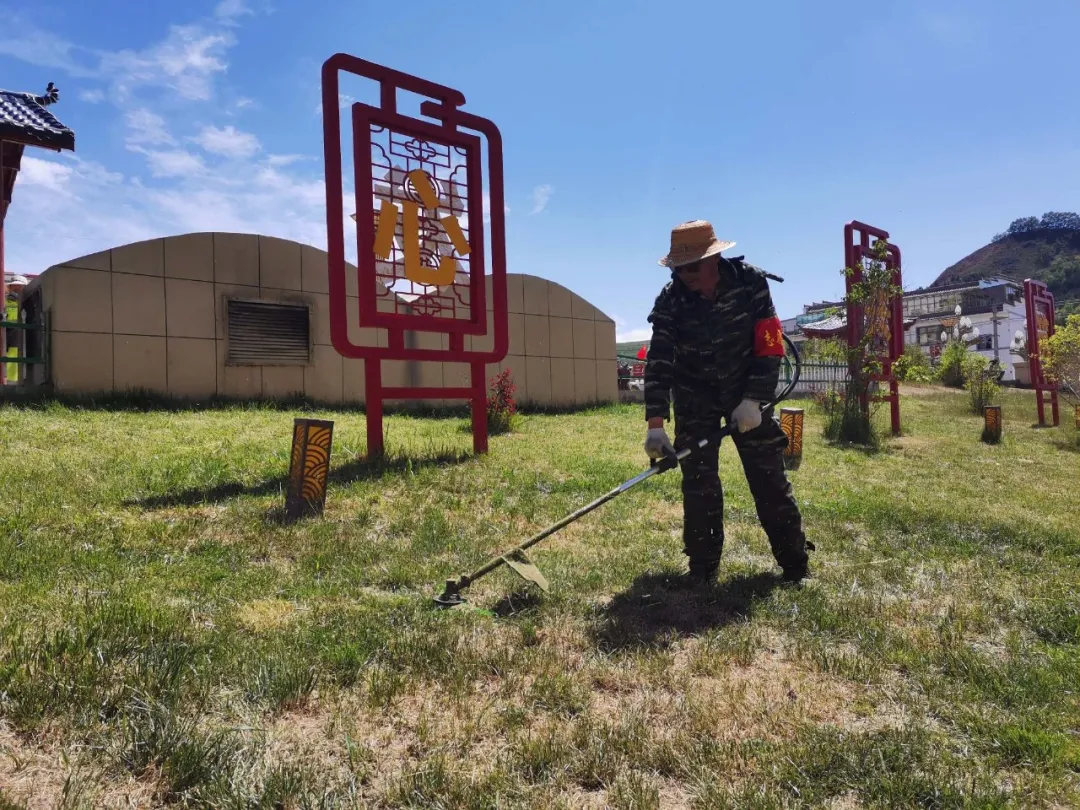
(261,615)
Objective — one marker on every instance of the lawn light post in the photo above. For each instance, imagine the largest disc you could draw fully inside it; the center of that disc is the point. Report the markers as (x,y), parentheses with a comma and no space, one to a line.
(791,421)
(419,203)
(1039,307)
(882,319)
(992,427)
(309,465)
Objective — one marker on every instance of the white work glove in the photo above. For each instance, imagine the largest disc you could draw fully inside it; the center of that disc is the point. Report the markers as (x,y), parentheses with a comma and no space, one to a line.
(748,415)
(657,443)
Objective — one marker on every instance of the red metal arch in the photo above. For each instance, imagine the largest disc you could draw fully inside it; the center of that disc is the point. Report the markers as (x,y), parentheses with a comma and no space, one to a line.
(386,146)
(858,246)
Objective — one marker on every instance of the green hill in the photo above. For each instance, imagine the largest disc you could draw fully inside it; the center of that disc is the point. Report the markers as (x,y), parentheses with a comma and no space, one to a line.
(1051,255)
(627,352)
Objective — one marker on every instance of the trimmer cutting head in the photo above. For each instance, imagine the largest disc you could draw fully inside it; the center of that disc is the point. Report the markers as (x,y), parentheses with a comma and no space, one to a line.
(451,596)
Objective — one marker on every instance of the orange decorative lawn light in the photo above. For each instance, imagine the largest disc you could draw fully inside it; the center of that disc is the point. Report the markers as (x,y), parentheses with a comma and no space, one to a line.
(992,424)
(791,421)
(309,467)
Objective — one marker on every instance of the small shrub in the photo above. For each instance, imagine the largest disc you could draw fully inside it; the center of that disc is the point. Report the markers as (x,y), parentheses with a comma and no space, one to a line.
(913,366)
(501,405)
(1061,356)
(951,368)
(845,420)
(830,350)
(983,388)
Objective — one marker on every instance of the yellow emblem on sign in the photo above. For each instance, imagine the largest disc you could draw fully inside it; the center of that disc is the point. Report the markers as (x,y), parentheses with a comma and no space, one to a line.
(415,270)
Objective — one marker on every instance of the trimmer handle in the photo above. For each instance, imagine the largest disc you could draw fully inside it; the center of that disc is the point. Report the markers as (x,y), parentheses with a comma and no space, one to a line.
(671,460)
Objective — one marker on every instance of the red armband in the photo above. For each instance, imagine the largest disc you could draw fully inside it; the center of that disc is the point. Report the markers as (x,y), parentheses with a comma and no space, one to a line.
(768,338)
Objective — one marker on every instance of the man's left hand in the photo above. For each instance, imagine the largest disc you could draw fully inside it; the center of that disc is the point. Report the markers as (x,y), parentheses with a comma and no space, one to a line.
(748,415)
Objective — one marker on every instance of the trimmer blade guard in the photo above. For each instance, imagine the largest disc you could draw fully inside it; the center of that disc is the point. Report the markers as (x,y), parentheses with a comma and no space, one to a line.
(525,568)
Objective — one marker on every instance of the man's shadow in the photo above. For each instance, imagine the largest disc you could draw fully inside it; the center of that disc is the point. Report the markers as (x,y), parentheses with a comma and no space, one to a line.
(658,608)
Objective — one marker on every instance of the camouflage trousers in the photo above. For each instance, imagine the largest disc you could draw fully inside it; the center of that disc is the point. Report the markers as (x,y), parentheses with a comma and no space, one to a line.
(761,451)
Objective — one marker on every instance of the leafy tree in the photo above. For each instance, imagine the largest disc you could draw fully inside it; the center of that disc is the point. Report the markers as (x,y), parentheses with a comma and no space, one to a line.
(1050,221)
(1064,310)
(1063,273)
(825,350)
(1060,220)
(1023,225)
(849,417)
(913,366)
(1061,356)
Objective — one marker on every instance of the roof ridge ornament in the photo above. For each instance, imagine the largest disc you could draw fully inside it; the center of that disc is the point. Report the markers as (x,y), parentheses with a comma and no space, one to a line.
(51,96)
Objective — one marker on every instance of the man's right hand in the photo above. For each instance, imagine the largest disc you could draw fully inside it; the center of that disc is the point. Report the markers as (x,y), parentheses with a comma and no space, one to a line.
(657,443)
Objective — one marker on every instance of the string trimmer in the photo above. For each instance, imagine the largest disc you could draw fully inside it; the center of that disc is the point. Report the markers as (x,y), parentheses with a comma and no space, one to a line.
(515,558)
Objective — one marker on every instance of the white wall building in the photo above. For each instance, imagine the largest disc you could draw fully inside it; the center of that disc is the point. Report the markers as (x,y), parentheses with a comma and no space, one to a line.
(994,306)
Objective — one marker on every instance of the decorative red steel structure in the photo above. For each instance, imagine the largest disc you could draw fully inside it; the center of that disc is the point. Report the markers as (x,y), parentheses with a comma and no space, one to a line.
(886,318)
(420,267)
(1039,305)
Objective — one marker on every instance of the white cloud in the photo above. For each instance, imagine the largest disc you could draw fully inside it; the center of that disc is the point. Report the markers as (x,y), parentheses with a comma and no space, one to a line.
(285,160)
(344,100)
(174,163)
(95,96)
(24,41)
(186,61)
(146,128)
(634,335)
(541,195)
(243,102)
(68,206)
(229,142)
(487,207)
(45,174)
(228,10)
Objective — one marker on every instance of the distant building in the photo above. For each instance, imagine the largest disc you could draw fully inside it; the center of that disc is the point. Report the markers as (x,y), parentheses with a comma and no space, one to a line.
(994,306)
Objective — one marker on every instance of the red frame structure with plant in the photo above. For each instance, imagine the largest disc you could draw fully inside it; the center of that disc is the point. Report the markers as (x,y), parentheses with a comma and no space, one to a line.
(427,177)
(856,250)
(1041,313)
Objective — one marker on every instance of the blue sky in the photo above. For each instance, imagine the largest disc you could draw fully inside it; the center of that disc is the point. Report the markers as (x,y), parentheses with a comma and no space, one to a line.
(779,122)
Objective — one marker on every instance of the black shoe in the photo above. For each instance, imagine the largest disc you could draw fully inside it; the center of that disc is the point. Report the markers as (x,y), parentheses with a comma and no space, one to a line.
(797,574)
(698,577)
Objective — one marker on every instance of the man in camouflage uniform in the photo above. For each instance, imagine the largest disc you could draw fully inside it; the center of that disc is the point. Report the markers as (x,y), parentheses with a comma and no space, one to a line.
(716,351)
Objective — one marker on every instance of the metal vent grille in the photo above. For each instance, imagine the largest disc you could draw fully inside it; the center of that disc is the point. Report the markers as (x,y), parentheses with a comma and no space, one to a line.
(268,334)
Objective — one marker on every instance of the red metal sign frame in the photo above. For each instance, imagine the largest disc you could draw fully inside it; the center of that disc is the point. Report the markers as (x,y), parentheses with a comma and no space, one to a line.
(1039,303)
(424,313)
(855,251)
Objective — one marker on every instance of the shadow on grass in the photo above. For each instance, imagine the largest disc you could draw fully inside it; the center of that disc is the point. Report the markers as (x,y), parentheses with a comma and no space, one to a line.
(1069,445)
(519,603)
(358,470)
(657,608)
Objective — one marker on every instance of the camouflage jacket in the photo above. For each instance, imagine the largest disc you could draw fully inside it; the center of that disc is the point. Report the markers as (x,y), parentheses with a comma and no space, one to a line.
(728,349)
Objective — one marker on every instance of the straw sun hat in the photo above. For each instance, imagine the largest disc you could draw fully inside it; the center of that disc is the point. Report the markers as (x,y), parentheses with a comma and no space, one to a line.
(692,241)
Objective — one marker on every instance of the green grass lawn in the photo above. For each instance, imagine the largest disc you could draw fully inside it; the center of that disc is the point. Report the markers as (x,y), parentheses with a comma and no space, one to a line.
(166,638)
